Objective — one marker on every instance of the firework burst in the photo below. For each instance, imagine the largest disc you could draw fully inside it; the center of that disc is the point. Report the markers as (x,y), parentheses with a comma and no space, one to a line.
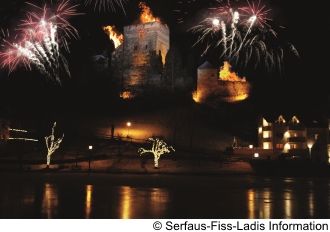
(41,36)
(242,35)
(104,5)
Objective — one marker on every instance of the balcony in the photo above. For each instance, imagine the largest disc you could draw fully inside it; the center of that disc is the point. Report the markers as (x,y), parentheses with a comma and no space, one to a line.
(296,127)
(296,140)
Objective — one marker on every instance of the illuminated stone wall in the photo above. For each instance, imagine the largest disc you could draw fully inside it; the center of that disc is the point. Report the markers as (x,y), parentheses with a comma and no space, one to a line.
(232,91)
(211,89)
(138,63)
(207,82)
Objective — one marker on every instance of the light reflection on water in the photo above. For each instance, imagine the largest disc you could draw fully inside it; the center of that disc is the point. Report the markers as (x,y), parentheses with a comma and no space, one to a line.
(88,202)
(311,203)
(259,204)
(259,198)
(49,201)
(135,202)
(288,201)
(126,203)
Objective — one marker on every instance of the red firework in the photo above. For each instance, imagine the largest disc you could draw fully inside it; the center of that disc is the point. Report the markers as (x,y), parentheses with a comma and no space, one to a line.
(258,11)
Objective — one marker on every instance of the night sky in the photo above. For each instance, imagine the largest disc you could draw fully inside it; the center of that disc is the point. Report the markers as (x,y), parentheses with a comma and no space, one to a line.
(302,87)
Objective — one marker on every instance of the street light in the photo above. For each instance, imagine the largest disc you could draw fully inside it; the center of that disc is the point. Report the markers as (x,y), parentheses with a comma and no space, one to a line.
(128,124)
(310,145)
(90,149)
(256,155)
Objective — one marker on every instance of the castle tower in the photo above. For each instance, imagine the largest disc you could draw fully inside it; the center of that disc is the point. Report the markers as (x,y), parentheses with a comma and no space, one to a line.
(143,56)
(207,80)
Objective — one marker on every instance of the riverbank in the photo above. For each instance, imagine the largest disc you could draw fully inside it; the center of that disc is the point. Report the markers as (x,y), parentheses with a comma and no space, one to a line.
(130,165)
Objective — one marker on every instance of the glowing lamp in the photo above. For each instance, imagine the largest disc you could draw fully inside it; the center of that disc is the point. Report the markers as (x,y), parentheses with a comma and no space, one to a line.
(128,124)
(251,146)
(287,135)
(287,147)
(310,145)
(256,155)
(90,147)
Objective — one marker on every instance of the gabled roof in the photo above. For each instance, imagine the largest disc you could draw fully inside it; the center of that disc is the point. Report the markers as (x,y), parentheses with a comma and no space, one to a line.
(206,65)
(317,121)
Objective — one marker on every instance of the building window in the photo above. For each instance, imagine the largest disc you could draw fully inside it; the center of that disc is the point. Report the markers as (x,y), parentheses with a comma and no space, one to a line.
(146,47)
(267,134)
(260,130)
(280,146)
(294,146)
(265,123)
(267,146)
(135,48)
(294,135)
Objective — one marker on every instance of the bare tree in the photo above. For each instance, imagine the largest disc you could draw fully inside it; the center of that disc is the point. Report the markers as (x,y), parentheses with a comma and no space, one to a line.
(52,144)
(159,148)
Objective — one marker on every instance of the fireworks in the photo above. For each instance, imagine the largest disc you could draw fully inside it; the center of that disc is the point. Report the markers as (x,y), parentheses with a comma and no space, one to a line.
(242,35)
(42,35)
(103,5)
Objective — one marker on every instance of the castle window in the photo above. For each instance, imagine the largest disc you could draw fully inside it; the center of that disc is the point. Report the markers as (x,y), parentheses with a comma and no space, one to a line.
(146,47)
(135,48)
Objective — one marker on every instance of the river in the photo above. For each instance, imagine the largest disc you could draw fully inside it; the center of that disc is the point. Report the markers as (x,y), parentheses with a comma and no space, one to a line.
(106,196)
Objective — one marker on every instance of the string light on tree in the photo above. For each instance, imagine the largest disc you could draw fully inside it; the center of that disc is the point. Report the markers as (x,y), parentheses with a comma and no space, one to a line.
(52,144)
(159,148)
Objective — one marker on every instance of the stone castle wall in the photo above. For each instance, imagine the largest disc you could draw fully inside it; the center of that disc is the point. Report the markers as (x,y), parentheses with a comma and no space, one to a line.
(210,87)
(138,62)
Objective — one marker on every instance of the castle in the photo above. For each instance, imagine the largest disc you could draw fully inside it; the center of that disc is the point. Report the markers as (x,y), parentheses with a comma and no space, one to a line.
(223,86)
(138,62)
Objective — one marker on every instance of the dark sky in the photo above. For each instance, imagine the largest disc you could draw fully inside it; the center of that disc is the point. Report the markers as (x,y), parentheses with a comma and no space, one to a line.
(303,86)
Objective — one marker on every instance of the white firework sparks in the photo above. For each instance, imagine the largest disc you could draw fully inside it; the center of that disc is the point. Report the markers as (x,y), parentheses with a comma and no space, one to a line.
(242,35)
(104,5)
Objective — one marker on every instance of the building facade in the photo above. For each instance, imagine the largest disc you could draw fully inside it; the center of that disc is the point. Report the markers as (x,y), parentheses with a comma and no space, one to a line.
(294,138)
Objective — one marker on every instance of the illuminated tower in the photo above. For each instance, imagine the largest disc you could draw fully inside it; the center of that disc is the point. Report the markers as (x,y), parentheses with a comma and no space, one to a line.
(144,51)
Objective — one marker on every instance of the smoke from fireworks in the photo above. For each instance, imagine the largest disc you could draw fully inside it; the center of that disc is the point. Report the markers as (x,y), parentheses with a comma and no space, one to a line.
(103,5)
(242,35)
(42,35)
